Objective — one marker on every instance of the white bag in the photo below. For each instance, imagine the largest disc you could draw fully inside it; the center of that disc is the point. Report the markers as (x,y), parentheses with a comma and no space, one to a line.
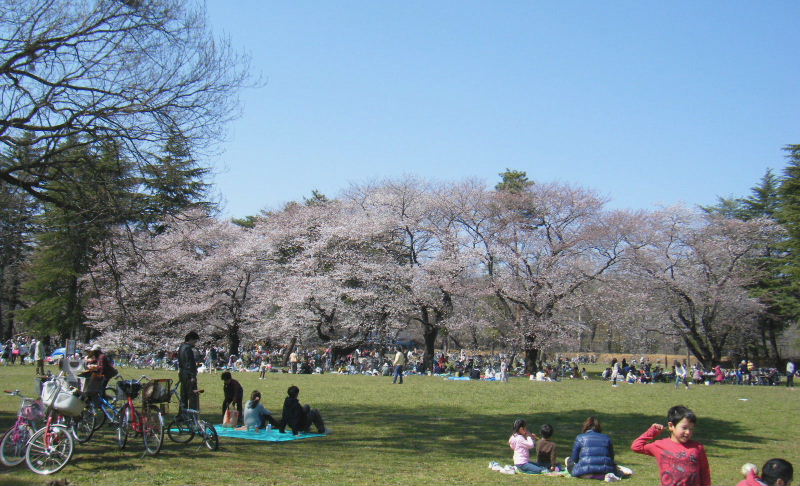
(62,400)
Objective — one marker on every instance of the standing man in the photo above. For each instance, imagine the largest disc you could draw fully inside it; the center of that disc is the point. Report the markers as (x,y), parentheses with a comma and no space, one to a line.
(293,361)
(38,356)
(187,372)
(790,369)
(400,360)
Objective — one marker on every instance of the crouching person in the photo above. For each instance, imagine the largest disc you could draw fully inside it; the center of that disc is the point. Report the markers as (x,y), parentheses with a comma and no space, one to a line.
(298,417)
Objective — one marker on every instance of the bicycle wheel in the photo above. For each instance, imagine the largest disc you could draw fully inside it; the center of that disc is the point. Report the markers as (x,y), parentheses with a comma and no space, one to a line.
(47,455)
(152,429)
(12,447)
(210,437)
(83,426)
(180,430)
(99,417)
(124,427)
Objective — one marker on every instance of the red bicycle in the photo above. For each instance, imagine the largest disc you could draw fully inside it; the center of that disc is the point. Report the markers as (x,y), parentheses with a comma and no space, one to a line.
(50,448)
(148,422)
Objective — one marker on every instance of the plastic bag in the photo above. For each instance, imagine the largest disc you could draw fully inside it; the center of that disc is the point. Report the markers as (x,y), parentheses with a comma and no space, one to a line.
(231,417)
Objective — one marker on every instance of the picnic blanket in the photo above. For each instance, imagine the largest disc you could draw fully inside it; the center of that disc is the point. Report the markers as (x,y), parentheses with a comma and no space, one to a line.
(467,378)
(265,435)
(510,469)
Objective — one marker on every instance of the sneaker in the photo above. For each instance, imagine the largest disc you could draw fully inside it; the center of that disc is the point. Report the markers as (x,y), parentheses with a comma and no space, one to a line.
(495,466)
(509,470)
(612,478)
(626,471)
(569,463)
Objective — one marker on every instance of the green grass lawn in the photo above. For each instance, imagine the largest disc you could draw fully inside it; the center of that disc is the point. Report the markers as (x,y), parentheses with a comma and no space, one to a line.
(430,431)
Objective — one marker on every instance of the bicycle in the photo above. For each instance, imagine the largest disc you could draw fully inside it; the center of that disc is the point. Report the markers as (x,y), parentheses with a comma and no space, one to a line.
(149,423)
(15,440)
(50,448)
(101,407)
(187,423)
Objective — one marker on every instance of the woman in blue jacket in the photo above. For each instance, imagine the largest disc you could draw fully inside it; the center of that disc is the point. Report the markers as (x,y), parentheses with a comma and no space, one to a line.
(593,454)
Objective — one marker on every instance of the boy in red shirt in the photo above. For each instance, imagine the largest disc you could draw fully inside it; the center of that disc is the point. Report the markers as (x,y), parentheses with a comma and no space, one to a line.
(682,461)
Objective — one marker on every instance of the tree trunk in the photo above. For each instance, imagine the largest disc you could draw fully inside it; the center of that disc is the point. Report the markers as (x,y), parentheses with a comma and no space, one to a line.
(531,361)
(289,350)
(429,334)
(233,340)
(773,342)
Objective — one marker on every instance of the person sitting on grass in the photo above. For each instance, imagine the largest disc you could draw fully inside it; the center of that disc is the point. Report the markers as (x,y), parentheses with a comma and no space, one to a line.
(521,442)
(776,472)
(256,414)
(593,455)
(299,417)
(233,395)
(546,449)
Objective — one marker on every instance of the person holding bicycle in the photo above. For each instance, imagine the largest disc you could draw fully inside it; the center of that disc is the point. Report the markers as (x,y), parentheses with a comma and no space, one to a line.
(100,364)
(187,372)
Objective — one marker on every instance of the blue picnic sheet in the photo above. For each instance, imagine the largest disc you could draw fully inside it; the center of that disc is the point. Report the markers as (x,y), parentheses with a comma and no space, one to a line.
(265,435)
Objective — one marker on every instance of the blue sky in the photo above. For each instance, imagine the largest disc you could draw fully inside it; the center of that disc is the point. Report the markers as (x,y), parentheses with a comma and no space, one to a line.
(645,102)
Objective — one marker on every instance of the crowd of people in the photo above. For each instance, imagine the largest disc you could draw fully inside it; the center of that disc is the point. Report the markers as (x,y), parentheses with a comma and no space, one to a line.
(746,373)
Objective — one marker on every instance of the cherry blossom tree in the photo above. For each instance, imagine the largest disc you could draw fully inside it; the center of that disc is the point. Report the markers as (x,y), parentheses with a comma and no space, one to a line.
(199,274)
(425,249)
(695,269)
(336,282)
(540,246)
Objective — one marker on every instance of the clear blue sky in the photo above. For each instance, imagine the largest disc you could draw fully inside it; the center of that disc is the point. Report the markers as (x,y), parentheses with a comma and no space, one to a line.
(645,102)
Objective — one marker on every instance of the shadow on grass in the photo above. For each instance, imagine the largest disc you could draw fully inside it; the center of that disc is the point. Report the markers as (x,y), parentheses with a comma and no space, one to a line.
(431,430)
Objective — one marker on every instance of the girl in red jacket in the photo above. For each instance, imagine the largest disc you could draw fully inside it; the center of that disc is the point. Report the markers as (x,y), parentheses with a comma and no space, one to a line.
(682,461)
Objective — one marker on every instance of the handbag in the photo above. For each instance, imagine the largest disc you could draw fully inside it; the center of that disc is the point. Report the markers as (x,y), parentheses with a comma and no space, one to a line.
(231,417)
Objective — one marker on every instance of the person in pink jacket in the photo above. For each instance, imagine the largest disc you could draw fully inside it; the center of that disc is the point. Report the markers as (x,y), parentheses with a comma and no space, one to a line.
(522,441)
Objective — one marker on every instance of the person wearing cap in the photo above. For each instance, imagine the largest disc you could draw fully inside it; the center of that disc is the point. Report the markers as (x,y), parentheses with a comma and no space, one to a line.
(100,364)
(187,372)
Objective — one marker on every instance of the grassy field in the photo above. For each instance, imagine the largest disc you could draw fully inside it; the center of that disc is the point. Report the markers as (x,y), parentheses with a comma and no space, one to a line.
(430,431)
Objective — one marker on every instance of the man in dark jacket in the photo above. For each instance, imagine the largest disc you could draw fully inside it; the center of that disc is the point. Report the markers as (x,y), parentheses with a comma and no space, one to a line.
(233,395)
(299,417)
(187,372)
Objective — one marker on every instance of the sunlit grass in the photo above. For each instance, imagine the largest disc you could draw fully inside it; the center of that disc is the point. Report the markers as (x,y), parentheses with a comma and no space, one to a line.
(431,431)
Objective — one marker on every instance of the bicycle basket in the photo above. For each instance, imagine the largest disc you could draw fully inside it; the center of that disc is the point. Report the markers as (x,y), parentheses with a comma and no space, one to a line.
(31,410)
(157,391)
(62,399)
(128,388)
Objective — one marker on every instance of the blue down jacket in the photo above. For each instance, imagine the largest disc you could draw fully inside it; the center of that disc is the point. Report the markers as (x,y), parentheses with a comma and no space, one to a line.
(593,454)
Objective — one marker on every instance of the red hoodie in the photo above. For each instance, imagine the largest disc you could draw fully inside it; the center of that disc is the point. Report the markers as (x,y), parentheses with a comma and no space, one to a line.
(680,464)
